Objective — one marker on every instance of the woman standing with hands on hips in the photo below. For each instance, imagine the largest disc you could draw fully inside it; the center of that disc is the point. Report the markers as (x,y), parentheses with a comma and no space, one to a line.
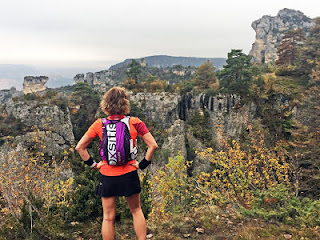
(118,177)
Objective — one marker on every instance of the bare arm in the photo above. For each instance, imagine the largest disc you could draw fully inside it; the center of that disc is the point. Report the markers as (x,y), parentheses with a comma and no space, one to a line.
(81,148)
(152,145)
(82,145)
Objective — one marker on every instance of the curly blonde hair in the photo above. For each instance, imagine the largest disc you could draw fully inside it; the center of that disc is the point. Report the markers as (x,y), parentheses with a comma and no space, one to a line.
(115,101)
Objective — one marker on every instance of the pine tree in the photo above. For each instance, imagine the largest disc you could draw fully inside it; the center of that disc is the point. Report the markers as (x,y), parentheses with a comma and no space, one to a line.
(206,75)
(85,102)
(288,48)
(305,144)
(309,56)
(315,73)
(134,70)
(237,74)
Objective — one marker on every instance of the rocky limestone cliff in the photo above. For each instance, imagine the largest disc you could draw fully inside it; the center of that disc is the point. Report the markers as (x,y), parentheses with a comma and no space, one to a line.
(224,110)
(176,134)
(6,95)
(53,123)
(43,116)
(173,111)
(53,142)
(34,84)
(98,80)
(161,108)
(79,78)
(270,30)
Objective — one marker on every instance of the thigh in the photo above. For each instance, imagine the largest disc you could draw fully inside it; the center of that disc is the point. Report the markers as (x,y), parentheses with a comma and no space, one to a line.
(109,207)
(134,201)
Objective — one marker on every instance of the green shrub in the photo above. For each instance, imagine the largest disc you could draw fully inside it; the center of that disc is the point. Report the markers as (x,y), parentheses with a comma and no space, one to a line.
(145,195)
(50,93)
(200,125)
(187,86)
(286,70)
(279,204)
(86,205)
(30,97)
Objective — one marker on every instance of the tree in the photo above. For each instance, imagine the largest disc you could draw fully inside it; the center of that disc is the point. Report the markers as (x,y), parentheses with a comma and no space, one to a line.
(206,75)
(134,70)
(314,44)
(237,74)
(85,102)
(315,72)
(304,143)
(288,49)
(309,56)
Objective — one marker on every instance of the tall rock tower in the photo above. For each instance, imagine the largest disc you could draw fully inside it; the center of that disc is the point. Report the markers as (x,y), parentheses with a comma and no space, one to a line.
(33,84)
(270,30)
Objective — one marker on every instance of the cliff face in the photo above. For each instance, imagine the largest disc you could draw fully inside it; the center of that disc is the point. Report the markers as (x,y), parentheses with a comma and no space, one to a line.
(43,116)
(98,80)
(173,112)
(166,108)
(34,84)
(224,110)
(269,31)
(6,95)
(162,108)
(48,122)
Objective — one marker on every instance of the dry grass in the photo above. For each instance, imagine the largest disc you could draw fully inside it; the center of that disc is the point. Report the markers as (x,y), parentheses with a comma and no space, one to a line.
(217,224)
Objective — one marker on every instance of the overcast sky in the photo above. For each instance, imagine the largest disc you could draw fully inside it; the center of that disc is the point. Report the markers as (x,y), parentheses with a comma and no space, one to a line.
(98,33)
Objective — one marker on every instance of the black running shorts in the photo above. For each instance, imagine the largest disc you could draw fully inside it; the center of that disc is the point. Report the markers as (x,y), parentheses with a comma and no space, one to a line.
(123,185)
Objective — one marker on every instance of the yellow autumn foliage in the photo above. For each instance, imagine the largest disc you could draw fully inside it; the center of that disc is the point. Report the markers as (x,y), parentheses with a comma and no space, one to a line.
(237,171)
(171,188)
(26,172)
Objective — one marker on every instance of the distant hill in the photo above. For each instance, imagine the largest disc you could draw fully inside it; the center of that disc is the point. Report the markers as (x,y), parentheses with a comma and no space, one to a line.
(163,61)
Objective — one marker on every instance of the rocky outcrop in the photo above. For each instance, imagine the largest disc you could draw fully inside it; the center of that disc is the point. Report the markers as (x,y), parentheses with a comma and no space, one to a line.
(172,112)
(6,95)
(79,78)
(98,80)
(270,30)
(89,78)
(53,144)
(158,107)
(33,84)
(224,110)
(199,164)
(43,116)
(48,123)
(176,135)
